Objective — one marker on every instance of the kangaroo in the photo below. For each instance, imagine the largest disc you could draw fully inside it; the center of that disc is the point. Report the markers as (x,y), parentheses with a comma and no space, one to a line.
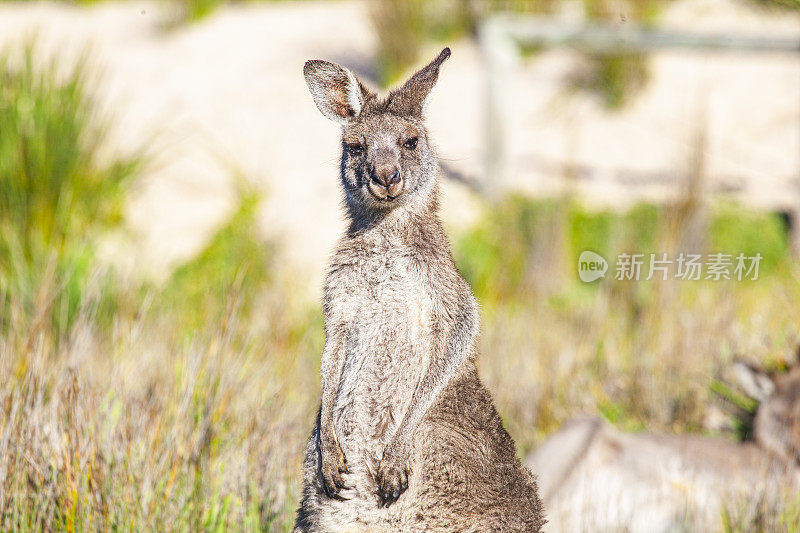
(593,477)
(407,438)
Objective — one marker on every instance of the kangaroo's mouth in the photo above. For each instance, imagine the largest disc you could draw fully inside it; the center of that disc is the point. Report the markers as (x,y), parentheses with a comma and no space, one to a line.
(386,193)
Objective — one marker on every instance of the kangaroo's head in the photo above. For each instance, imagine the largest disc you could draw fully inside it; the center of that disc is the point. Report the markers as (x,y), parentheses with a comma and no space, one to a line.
(776,426)
(387,158)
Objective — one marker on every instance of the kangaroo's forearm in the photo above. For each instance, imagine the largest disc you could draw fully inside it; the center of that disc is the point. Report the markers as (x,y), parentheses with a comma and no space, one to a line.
(331,371)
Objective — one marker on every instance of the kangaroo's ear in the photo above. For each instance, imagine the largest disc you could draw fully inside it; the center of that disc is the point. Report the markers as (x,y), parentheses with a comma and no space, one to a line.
(336,91)
(410,99)
(755,382)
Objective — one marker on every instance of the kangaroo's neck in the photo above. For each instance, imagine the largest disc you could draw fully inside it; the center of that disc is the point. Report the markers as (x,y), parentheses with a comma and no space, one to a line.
(403,224)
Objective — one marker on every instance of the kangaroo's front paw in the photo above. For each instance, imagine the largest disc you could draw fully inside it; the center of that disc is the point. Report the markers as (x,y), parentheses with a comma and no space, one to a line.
(332,465)
(393,473)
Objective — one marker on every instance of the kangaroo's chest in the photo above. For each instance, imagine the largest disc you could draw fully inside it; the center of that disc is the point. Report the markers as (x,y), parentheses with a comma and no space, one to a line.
(391,303)
(388,327)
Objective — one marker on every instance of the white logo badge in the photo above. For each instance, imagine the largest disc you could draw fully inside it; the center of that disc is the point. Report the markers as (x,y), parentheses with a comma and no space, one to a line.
(591,266)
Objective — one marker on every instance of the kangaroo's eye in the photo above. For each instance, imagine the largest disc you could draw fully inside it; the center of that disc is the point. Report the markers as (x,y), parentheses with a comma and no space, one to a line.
(354,150)
(411,143)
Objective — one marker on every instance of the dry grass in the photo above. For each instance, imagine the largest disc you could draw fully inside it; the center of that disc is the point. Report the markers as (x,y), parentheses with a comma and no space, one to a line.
(644,364)
(150,425)
(146,430)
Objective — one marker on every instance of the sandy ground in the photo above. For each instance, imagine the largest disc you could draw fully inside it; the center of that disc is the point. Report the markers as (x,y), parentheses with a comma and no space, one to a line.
(226,97)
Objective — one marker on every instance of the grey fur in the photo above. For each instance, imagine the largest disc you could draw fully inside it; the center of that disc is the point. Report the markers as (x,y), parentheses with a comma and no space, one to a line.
(407,438)
(776,427)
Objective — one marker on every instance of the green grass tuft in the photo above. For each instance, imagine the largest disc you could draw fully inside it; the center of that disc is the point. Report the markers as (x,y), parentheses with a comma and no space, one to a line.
(56,196)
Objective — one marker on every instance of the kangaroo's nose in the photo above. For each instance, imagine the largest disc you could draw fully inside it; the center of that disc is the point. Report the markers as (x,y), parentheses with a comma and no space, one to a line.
(386,175)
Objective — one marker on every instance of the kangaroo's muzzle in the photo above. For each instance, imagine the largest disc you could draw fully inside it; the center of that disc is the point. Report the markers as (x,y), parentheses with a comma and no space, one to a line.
(385,182)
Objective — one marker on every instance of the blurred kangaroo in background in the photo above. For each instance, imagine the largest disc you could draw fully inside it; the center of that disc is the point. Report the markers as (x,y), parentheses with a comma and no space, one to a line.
(407,437)
(594,478)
